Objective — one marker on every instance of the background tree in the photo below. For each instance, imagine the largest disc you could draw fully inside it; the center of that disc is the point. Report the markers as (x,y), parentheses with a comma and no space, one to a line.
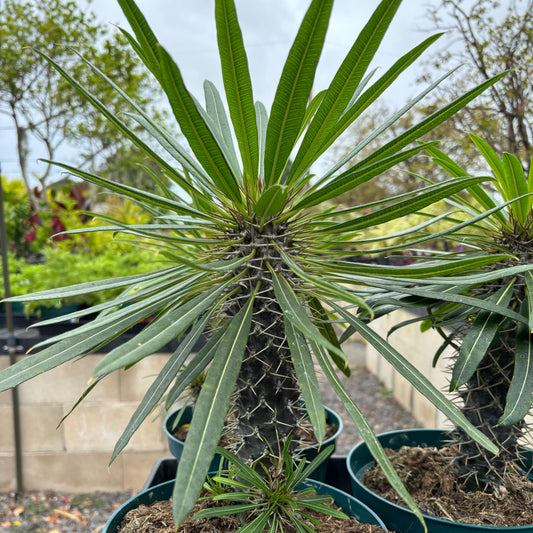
(490,37)
(46,112)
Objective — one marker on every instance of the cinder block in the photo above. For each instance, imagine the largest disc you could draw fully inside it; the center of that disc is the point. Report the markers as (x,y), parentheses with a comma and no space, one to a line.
(39,433)
(97,427)
(66,383)
(6,396)
(7,438)
(135,381)
(137,467)
(77,472)
(403,392)
(8,480)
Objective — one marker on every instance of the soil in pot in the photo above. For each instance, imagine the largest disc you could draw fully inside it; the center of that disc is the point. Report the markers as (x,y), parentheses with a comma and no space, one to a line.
(429,478)
(157,518)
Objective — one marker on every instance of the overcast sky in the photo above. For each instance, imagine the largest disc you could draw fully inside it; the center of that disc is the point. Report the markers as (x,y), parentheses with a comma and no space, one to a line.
(186,28)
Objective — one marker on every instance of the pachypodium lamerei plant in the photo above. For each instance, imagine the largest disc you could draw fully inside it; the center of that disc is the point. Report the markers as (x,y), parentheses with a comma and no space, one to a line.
(485,314)
(256,259)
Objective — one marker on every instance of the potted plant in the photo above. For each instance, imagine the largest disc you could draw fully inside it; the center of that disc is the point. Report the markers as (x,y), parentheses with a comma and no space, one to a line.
(256,254)
(485,315)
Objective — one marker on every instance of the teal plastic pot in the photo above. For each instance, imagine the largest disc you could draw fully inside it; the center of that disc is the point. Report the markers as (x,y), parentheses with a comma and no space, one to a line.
(176,446)
(398,518)
(350,505)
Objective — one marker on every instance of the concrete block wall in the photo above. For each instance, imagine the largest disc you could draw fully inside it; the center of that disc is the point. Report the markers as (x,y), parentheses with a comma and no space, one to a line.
(75,456)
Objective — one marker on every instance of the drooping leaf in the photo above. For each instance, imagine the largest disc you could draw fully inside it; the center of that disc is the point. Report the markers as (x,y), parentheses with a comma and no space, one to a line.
(416,378)
(157,333)
(210,412)
(305,373)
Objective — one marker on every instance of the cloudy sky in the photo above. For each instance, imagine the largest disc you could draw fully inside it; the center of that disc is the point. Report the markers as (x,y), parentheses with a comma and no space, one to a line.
(186,28)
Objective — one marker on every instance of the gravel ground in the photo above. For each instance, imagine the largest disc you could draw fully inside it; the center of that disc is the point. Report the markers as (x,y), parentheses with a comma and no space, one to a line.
(54,512)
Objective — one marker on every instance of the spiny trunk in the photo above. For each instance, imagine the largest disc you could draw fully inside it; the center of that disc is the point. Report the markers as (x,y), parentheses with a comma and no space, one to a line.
(484,402)
(266,405)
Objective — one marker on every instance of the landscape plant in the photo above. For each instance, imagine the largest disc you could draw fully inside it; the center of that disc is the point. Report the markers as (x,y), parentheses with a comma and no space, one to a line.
(485,314)
(257,257)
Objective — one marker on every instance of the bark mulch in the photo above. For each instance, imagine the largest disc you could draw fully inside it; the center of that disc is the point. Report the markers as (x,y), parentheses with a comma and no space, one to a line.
(58,512)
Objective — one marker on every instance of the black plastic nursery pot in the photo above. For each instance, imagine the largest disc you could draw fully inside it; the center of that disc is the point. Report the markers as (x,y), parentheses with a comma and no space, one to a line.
(398,518)
(176,446)
(163,491)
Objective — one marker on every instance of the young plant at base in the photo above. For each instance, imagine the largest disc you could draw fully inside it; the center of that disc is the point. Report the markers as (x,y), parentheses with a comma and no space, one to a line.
(270,499)
(256,252)
(485,314)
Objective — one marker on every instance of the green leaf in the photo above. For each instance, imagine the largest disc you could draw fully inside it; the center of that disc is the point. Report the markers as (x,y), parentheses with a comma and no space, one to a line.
(238,86)
(67,349)
(365,430)
(294,88)
(416,378)
(477,341)
(326,329)
(305,373)
(342,87)
(295,312)
(157,333)
(217,121)
(516,186)
(160,385)
(272,201)
(520,394)
(422,198)
(147,41)
(262,124)
(431,122)
(528,276)
(197,364)
(225,510)
(354,177)
(210,412)
(91,286)
(196,131)
(144,197)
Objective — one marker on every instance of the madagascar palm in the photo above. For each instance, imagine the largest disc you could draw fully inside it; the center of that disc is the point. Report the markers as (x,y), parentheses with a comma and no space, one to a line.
(257,261)
(485,314)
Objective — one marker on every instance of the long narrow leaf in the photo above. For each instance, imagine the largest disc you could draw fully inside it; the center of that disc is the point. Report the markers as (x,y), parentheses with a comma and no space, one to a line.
(158,333)
(196,131)
(477,341)
(365,430)
(520,394)
(343,86)
(294,88)
(147,41)
(210,412)
(415,377)
(305,373)
(193,369)
(238,85)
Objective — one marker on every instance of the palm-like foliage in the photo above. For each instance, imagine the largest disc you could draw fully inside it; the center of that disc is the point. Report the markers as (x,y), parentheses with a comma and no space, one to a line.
(255,259)
(485,314)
